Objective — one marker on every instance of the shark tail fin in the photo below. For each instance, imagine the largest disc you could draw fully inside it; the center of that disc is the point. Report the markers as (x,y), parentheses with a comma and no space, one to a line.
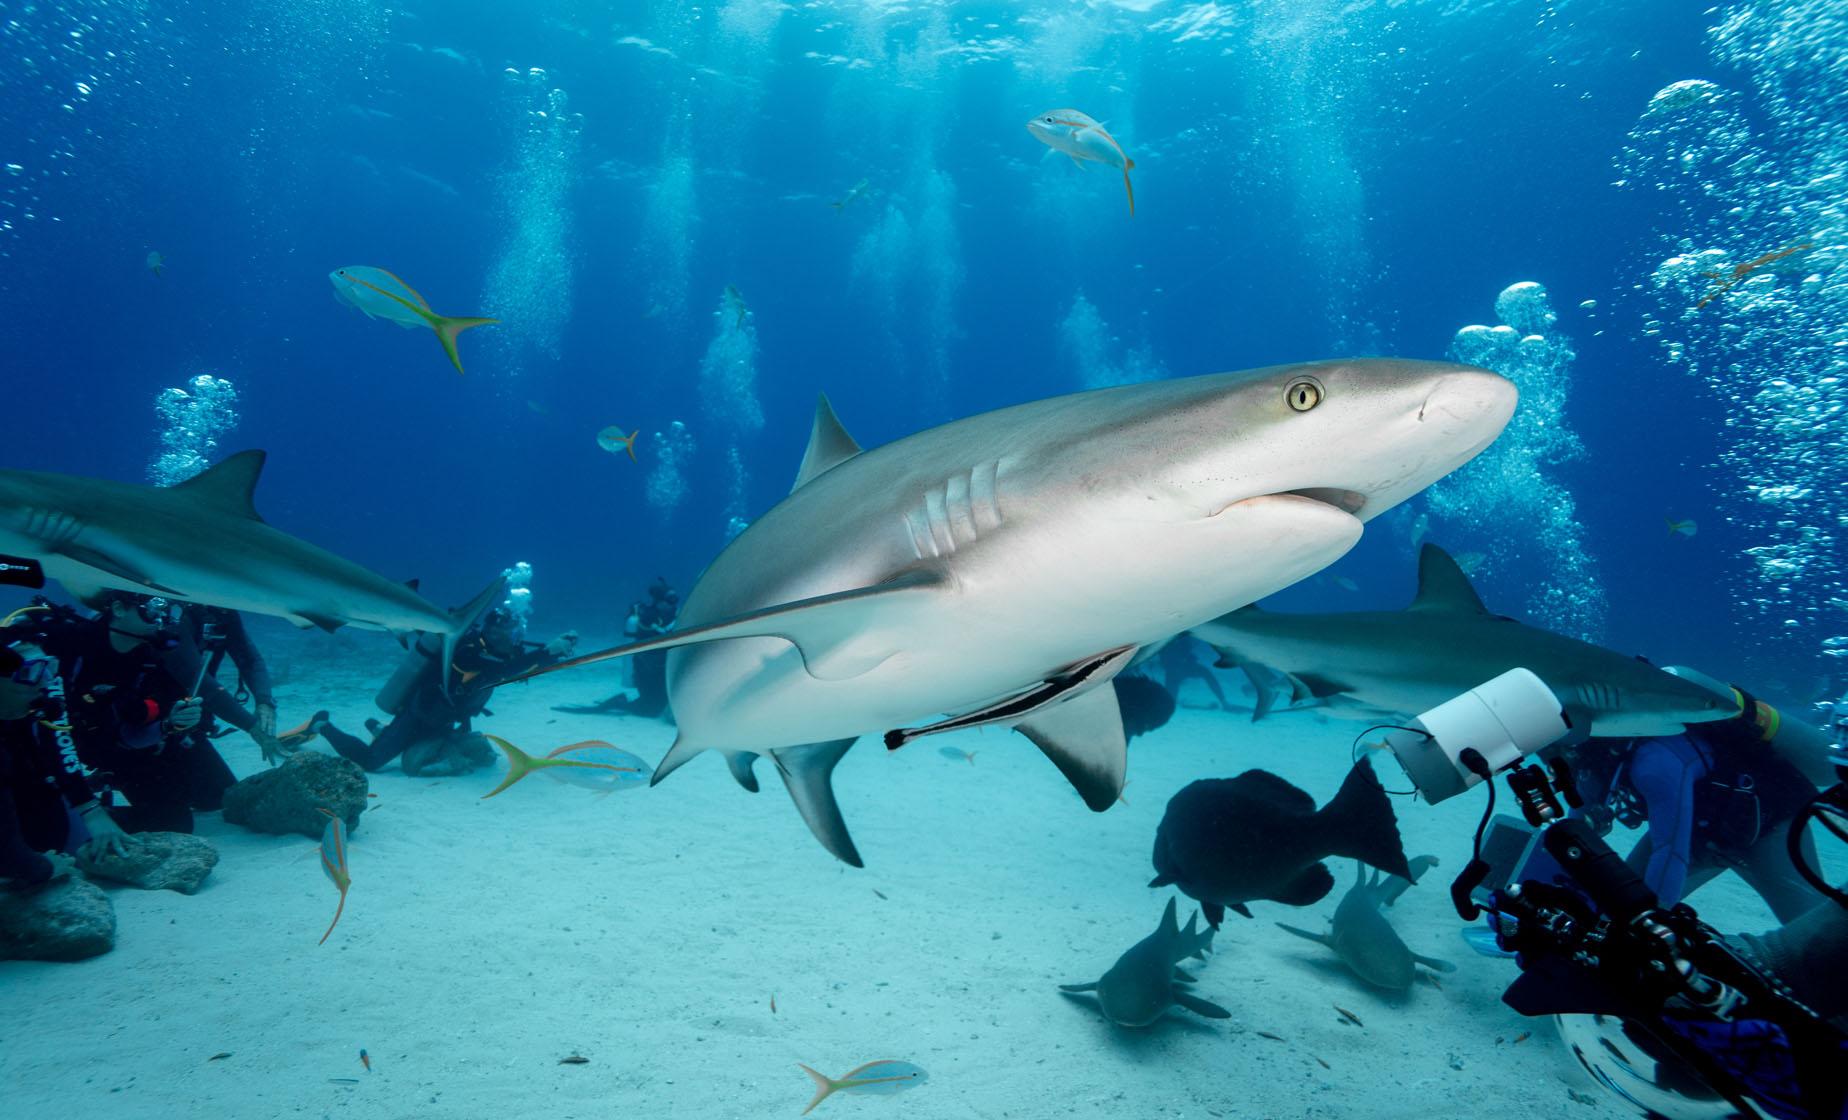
(823,1088)
(1360,823)
(519,764)
(447,327)
(464,617)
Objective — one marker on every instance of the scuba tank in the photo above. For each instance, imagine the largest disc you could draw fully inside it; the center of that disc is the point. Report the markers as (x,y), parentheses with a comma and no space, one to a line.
(1802,746)
(421,662)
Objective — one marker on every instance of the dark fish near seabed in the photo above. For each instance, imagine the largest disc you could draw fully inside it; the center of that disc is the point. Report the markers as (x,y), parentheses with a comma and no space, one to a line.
(1229,841)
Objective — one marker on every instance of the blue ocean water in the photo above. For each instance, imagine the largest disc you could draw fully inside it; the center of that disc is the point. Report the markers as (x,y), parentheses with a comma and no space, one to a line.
(646,195)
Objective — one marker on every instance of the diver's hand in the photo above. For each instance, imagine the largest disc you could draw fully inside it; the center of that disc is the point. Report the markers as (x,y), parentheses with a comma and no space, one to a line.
(274,749)
(61,865)
(562,645)
(106,836)
(185,715)
(266,721)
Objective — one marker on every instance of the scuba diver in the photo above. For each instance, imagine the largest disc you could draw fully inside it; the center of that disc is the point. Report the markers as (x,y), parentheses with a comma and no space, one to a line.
(207,636)
(130,719)
(432,718)
(1718,797)
(646,620)
(48,811)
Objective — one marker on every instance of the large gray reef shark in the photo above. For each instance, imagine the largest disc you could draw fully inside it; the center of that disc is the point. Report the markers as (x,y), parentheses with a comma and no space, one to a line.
(1444,644)
(1000,568)
(202,541)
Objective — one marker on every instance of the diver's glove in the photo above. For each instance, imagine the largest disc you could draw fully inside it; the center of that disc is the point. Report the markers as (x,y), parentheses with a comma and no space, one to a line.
(266,721)
(273,748)
(61,866)
(562,645)
(184,716)
(106,836)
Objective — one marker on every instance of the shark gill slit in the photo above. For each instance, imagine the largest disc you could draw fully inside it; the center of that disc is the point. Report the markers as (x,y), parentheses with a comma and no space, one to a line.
(939,518)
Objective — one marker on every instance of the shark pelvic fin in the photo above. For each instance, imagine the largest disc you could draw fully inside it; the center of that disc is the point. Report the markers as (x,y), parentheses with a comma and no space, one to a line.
(228,485)
(1084,738)
(807,771)
(1442,586)
(829,444)
(742,765)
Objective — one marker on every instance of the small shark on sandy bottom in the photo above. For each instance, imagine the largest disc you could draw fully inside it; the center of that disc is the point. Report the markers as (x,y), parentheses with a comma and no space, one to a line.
(1146,980)
(1362,937)
(202,541)
(1000,569)
(1443,645)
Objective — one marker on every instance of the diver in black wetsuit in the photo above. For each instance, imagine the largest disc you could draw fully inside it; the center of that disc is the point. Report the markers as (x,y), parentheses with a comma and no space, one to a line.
(45,801)
(207,637)
(646,620)
(131,720)
(432,728)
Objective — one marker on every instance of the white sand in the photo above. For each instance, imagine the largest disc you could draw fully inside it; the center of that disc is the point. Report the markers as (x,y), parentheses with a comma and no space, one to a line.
(649,930)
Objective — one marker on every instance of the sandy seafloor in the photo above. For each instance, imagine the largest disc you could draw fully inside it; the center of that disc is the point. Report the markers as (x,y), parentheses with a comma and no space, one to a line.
(648,932)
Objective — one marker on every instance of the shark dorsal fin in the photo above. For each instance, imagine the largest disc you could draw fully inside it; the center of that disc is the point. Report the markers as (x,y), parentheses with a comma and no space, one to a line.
(229,484)
(829,444)
(1442,586)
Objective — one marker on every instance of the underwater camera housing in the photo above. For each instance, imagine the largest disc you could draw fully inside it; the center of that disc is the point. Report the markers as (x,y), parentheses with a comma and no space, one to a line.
(1491,727)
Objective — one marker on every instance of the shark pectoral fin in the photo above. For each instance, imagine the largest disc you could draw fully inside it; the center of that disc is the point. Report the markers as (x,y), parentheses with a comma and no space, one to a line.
(807,771)
(829,444)
(1091,987)
(818,627)
(325,622)
(1434,964)
(1261,688)
(1181,977)
(1238,908)
(742,765)
(1319,938)
(1084,738)
(228,485)
(1306,687)
(677,756)
(1199,1006)
(109,565)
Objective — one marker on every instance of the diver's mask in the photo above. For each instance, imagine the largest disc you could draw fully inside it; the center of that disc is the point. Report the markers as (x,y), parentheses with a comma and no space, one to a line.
(159,611)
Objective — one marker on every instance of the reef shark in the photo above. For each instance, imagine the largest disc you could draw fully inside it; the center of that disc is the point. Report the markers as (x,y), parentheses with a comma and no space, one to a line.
(1362,937)
(1444,644)
(202,541)
(1145,982)
(1000,568)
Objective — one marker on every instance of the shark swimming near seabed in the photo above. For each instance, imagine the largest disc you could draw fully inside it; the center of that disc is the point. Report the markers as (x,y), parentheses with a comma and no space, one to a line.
(1147,980)
(203,542)
(999,569)
(1442,645)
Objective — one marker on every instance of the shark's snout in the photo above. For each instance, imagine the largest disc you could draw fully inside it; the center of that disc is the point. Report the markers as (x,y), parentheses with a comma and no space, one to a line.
(1469,398)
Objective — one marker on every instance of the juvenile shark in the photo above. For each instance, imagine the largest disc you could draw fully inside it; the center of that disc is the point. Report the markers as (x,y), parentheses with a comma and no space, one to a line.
(999,568)
(1445,644)
(202,541)
(1145,982)
(1362,937)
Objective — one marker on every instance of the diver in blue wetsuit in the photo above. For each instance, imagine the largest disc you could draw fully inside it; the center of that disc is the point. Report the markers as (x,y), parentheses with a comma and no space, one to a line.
(1718,797)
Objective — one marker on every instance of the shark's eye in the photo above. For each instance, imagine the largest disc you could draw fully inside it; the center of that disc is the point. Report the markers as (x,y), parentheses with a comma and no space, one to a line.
(1303,395)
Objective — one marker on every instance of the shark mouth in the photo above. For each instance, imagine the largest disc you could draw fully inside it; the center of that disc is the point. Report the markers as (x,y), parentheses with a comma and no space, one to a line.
(1347,501)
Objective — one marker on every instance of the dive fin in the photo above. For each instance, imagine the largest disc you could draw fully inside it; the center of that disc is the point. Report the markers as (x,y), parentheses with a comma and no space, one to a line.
(447,328)
(822,628)
(1200,1007)
(829,444)
(1084,738)
(1442,586)
(807,771)
(228,484)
